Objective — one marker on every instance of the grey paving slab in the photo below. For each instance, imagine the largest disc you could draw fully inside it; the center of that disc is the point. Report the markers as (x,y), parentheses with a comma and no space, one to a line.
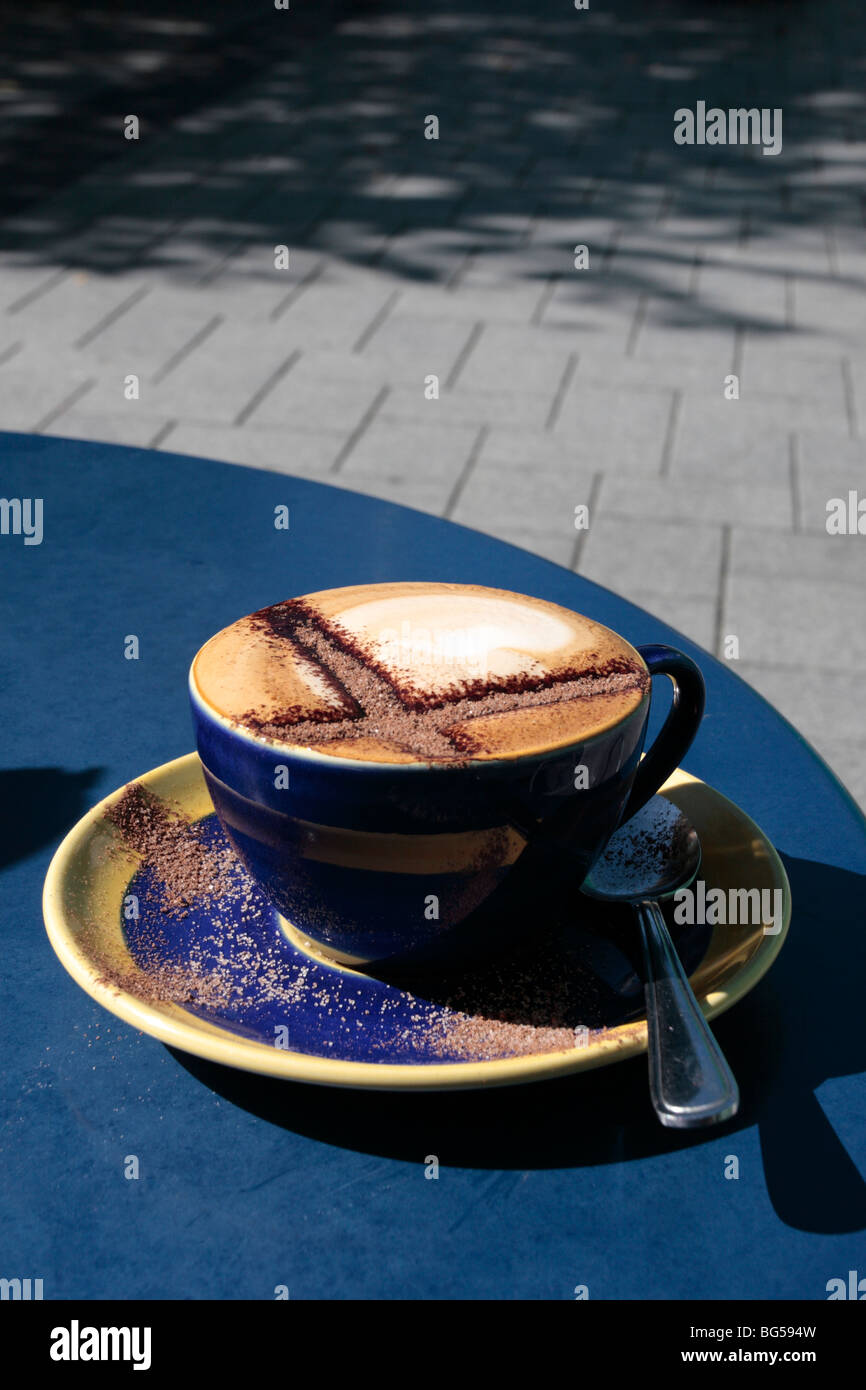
(856,370)
(424,492)
(542,501)
(716,438)
(431,252)
(148,333)
(532,450)
(522,358)
(578,302)
(604,362)
(694,617)
(462,407)
(709,230)
(564,229)
(662,360)
(73,306)
(615,429)
(664,558)
(105,395)
(429,456)
(831,454)
(21,281)
(332,317)
(316,365)
(316,393)
(126,427)
(817,558)
(408,350)
(751,296)
(251,297)
(825,304)
(847,248)
(794,250)
(281,449)
(10,346)
(826,502)
(654,260)
(797,624)
(488,267)
(814,701)
(816,343)
(785,365)
(709,422)
(684,354)
(711,501)
(255,262)
(187,254)
(504,301)
(30,396)
(213,385)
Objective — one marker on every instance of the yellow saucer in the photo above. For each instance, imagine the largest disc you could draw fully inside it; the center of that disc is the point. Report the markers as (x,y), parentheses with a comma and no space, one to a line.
(88,879)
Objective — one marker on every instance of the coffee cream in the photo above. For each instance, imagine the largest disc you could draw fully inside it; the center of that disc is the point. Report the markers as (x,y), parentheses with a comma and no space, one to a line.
(420,672)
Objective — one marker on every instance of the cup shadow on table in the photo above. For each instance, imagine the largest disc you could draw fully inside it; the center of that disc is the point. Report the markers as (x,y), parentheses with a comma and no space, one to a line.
(38,805)
(801,1026)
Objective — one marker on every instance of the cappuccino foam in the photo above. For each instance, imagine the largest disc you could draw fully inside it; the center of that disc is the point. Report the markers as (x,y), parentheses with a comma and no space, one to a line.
(420,672)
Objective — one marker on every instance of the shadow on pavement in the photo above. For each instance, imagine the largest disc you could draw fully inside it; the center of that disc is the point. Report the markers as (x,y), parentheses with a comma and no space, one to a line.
(307,128)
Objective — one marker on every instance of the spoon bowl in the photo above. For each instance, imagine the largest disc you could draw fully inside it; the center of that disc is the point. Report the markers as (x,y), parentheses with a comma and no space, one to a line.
(654,855)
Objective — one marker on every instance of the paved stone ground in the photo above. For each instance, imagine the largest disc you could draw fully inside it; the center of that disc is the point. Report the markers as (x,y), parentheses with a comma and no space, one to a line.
(409,257)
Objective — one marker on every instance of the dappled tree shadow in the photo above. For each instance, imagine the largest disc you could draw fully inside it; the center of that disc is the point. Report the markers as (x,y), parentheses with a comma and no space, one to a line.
(555,125)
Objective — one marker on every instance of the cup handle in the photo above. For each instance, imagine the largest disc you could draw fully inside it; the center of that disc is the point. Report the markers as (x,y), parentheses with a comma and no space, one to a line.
(678,731)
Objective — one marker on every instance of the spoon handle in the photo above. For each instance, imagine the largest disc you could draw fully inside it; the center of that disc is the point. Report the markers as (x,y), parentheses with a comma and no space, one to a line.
(691,1084)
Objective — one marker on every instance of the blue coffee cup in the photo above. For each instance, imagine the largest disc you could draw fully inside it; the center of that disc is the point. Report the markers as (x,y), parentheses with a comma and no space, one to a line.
(417,864)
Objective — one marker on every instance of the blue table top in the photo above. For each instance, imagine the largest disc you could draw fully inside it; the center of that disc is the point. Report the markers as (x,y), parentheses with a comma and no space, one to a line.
(248,1183)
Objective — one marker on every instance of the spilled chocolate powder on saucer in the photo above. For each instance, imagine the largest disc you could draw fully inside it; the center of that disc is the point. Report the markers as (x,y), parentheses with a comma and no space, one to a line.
(187,869)
(237,962)
(184,871)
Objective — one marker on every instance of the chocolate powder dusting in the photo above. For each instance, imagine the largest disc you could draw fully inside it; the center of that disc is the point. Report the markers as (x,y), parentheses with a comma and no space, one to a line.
(476,1039)
(170,984)
(234,960)
(187,868)
(373,705)
(531,999)
(185,872)
(299,621)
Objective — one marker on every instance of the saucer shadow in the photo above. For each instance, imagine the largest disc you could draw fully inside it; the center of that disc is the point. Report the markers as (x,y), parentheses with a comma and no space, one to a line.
(38,805)
(798,1028)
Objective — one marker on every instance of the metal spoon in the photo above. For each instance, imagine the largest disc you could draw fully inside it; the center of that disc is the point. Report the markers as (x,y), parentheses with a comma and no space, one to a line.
(650,857)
